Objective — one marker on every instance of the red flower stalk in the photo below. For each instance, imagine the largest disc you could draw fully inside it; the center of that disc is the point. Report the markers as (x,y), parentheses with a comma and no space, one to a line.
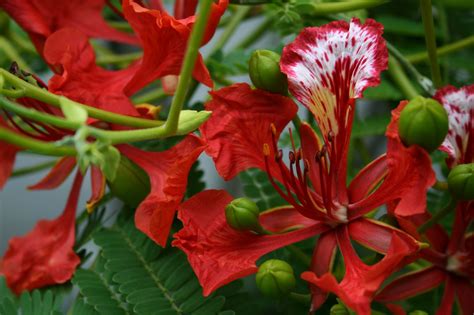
(451,256)
(328,67)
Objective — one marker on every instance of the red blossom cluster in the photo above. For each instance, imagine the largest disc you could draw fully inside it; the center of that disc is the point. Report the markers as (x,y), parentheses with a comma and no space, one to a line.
(328,68)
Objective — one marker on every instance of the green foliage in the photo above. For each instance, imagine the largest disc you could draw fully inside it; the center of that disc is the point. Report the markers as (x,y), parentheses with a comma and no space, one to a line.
(29,303)
(257,186)
(135,276)
(370,126)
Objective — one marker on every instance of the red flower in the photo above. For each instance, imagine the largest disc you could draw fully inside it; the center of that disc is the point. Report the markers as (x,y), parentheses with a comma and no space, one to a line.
(452,264)
(451,257)
(327,68)
(41,18)
(44,256)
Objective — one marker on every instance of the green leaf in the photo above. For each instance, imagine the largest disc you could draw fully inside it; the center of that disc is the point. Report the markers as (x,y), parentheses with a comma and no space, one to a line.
(371,126)
(190,120)
(135,276)
(29,303)
(72,111)
(258,187)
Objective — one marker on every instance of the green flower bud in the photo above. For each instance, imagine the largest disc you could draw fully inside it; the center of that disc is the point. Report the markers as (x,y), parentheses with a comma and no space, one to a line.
(338,309)
(461,181)
(264,70)
(418,312)
(242,214)
(131,184)
(424,122)
(275,278)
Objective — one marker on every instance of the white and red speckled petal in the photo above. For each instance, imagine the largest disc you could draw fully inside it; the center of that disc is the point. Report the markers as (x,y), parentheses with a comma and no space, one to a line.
(328,66)
(459,143)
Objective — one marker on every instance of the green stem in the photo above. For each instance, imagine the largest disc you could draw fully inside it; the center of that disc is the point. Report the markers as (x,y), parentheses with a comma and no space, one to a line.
(230,28)
(430,38)
(297,123)
(437,216)
(153,95)
(190,57)
(10,51)
(423,81)
(443,50)
(54,100)
(255,35)
(325,8)
(37,146)
(32,169)
(400,78)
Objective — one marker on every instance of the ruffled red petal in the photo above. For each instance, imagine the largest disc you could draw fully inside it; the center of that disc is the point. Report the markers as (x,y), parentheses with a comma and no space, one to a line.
(241,124)
(41,18)
(408,179)
(361,281)
(44,256)
(219,254)
(168,172)
(68,51)
(98,184)
(164,40)
(283,219)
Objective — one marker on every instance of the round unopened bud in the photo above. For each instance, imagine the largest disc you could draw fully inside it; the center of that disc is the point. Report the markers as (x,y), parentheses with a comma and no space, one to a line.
(131,183)
(423,122)
(242,214)
(265,73)
(338,309)
(461,181)
(275,278)
(418,312)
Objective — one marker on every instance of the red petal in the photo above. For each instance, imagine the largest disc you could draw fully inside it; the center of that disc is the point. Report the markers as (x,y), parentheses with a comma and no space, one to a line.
(57,175)
(447,302)
(321,263)
(184,8)
(41,18)
(396,309)
(361,281)
(459,143)
(80,79)
(97,188)
(368,179)
(408,180)
(218,253)
(240,126)
(7,161)
(412,284)
(465,294)
(168,172)
(44,256)
(164,41)
(283,219)
(327,68)
(378,236)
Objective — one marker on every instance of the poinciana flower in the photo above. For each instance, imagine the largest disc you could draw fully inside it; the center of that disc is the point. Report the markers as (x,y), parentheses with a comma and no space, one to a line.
(328,67)
(451,256)
(78,77)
